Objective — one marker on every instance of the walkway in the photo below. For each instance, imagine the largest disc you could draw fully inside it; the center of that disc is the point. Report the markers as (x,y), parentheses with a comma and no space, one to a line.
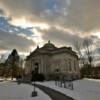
(55,95)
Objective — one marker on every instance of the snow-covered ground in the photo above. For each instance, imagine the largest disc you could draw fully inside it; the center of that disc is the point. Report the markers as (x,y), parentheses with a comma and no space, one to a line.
(12,91)
(86,89)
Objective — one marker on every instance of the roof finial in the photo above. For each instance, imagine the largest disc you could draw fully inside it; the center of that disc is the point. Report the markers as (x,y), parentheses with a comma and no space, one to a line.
(49,41)
(37,47)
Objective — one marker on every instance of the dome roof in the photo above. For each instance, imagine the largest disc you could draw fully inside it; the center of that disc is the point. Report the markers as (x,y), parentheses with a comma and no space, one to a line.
(49,46)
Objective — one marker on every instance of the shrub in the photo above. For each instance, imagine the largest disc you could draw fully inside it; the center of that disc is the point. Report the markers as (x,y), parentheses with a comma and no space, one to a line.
(38,77)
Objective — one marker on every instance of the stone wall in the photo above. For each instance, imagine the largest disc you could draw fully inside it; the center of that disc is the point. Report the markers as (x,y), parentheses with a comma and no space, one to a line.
(65,63)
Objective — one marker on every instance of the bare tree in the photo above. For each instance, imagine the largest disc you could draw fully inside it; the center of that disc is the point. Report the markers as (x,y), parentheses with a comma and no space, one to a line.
(2,62)
(78,46)
(2,58)
(85,50)
(88,50)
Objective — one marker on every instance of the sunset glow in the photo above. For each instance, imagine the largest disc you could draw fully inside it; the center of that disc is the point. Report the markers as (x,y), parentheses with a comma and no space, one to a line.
(26,24)
(22,22)
(97,34)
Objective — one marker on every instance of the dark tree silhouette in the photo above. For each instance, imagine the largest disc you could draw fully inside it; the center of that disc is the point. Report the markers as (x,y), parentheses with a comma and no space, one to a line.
(13,62)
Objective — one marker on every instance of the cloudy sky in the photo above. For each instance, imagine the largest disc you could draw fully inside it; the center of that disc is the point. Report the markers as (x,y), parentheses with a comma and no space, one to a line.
(24,24)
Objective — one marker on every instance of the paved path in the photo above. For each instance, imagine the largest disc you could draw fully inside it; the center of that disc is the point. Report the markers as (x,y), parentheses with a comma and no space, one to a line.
(55,95)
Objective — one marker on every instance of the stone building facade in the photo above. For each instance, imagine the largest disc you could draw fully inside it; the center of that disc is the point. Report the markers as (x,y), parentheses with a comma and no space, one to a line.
(51,60)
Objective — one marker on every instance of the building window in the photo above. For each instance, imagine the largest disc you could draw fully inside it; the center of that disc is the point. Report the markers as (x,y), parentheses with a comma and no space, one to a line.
(36,67)
(56,70)
(75,65)
(70,68)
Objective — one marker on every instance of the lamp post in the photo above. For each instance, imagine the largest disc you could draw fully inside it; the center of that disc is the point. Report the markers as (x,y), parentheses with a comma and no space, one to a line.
(34,92)
(57,76)
(34,73)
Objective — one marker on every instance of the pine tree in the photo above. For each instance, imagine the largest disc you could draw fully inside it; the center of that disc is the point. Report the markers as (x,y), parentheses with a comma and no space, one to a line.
(13,63)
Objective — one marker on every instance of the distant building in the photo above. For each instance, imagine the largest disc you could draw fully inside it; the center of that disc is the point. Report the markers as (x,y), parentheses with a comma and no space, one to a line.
(51,60)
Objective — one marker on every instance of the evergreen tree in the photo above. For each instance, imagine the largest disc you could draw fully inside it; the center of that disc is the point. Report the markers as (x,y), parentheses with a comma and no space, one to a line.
(13,63)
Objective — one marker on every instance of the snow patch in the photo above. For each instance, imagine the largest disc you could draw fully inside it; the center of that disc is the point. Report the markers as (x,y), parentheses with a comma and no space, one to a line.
(86,89)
